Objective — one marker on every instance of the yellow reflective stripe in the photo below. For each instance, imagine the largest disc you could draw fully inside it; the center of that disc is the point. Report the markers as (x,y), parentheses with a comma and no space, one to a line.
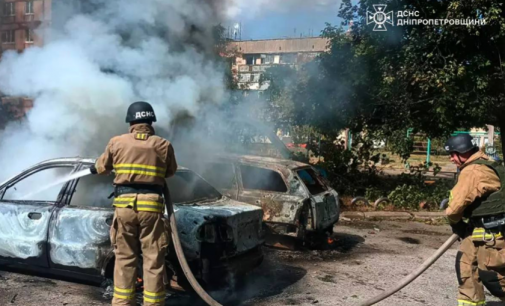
(125,294)
(153,297)
(151,206)
(156,210)
(140,172)
(146,299)
(480,233)
(155,294)
(125,199)
(123,202)
(487,236)
(138,166)
(466,303)
(154,203)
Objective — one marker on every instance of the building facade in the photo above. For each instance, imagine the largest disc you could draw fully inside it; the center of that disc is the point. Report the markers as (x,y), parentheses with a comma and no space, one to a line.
(19,20)
(253,57)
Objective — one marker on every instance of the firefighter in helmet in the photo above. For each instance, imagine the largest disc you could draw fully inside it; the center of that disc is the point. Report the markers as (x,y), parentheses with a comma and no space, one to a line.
(142,161)
(477,197)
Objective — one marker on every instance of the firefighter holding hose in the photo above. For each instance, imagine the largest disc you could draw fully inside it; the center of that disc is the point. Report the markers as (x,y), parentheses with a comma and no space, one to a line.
(477,197)
(141,161)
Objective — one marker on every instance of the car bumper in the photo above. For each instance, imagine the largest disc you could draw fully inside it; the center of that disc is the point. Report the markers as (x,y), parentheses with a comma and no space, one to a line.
(237,266)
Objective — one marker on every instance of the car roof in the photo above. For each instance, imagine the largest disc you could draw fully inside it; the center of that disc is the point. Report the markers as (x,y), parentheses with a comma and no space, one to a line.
(263,160)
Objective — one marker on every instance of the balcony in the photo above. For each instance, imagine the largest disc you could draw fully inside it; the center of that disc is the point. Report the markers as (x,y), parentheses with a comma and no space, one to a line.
(261,68)
(8,19)
(253,68)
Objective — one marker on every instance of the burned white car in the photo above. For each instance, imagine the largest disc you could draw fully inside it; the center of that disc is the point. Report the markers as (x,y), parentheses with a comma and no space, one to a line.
(295,199)
(65,229)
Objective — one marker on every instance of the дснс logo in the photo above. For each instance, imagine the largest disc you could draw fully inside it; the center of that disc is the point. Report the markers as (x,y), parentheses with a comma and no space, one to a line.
(379,17)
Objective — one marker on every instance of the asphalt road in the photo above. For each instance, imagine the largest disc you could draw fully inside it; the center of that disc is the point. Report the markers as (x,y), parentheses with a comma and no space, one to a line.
(365,259)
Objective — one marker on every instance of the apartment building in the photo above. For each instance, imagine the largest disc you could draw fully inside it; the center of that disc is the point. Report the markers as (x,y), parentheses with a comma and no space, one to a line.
(18,21)
(253,57)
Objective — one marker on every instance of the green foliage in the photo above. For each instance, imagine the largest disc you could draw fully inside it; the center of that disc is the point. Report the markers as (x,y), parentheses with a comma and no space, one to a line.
(410,196)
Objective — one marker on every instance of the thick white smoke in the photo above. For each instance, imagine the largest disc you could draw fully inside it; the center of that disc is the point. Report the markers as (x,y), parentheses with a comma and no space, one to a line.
(108,54)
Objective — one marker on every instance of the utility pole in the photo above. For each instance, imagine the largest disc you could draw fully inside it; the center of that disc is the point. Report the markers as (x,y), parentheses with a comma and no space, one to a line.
(489,148)
(490,135)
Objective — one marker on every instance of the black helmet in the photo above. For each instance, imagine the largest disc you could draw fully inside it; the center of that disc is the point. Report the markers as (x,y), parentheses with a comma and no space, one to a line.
(140,111)
(460,143)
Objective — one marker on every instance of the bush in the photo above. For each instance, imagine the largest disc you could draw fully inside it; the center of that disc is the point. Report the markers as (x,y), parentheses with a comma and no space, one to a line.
(353,173)
(410,196)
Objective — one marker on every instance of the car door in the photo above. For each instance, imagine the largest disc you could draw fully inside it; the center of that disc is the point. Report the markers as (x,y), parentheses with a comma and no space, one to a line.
(26,209)
(267,189)
(79,234)
(222,176)
(323,199)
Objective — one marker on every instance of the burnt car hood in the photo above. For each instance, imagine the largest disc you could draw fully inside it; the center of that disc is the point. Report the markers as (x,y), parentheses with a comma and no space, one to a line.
(244,219)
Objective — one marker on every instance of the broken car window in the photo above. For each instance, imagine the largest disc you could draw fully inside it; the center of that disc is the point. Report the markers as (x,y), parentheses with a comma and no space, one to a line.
(221,175)
(311,181)
(33,187)
(93,191)
(186,188)
(262,179)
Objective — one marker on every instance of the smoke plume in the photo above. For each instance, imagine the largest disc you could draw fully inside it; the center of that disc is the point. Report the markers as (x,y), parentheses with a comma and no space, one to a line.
(98,57)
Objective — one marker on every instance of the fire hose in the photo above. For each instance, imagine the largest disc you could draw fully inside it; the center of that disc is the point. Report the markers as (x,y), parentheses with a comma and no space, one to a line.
(413,275)
(180,253)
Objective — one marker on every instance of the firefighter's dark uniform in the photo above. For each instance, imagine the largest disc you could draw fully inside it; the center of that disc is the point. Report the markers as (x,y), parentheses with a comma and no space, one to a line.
(141,161)
(481,257)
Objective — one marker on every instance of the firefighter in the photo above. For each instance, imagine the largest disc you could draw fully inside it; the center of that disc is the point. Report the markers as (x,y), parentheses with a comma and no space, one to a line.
(477,197)
(142,161)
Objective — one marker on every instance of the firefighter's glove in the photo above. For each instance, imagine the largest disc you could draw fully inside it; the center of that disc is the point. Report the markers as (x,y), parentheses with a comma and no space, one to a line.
(93,170)
(460,229)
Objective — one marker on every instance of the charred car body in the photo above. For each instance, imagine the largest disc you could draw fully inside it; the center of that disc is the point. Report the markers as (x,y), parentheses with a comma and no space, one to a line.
(294,198)
(65,229)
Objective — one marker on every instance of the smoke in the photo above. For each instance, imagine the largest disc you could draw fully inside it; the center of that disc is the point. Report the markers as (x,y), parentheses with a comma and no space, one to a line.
(99,57)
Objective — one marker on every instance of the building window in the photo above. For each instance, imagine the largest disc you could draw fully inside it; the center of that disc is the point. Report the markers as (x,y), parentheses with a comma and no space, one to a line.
(9,9)
(29,35)
(289,58)
(8,37)
(29,8)
(249,60)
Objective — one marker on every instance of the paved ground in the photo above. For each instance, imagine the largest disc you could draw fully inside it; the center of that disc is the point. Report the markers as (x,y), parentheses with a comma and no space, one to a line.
(366,259)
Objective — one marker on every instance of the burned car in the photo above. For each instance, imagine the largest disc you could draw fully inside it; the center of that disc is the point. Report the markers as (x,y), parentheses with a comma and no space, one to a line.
(64,229)
(295,199)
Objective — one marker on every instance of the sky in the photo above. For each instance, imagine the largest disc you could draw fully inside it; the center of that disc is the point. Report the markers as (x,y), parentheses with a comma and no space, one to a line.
(281,22)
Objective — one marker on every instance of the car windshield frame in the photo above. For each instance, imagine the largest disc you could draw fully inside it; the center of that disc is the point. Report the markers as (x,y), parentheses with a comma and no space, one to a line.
(201,199)
(31,171)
